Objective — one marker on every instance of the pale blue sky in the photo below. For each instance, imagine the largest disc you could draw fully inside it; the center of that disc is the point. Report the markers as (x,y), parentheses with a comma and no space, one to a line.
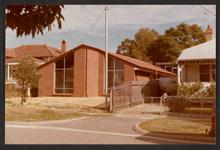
(124,22)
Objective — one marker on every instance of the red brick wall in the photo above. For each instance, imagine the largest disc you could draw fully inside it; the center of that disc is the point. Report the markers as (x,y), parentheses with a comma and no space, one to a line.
(80,72)
(101,74)
(92,73)
(46,81)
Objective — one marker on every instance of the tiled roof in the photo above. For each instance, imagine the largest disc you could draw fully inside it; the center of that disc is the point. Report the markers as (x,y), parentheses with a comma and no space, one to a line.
(135,62)
(34,50)
(10,52)
(202,51)
(18,59)
(140,63)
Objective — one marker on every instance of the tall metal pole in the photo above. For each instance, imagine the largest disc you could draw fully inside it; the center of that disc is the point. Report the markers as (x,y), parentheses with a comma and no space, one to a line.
(106,58)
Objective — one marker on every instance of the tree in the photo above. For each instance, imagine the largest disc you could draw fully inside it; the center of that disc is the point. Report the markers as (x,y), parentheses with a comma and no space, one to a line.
(164,49)
(186,35)
(128,48)
(136,48)
(26,76)
(33,19)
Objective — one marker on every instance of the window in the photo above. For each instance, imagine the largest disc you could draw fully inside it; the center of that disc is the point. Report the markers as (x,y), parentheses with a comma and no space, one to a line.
(204,72)
(115,72)
(64,75)
(213,72)
(11,70)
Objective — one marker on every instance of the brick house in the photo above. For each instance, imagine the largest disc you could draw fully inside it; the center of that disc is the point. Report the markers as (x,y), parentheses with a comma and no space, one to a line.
(80,72)
(41,54)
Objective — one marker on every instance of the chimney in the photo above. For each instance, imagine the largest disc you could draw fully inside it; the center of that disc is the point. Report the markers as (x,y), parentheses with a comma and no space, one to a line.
(63,46)
(208,33)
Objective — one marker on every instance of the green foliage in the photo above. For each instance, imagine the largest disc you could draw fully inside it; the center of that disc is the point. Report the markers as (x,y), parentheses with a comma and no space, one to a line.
(32,19)
(176,104)
(186,35)
(151,47)
(190,90)
(197,90)
(136,48)
(26,75)
(164,49)
(209,91)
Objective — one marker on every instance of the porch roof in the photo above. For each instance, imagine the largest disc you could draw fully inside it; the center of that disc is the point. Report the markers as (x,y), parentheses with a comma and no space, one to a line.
(204,51)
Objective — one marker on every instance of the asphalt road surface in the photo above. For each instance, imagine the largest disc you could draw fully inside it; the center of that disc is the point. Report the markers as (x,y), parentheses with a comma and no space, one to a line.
(92,130)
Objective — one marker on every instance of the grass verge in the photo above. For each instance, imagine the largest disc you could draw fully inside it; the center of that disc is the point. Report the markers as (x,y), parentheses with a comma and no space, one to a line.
(177,126)
(49,108)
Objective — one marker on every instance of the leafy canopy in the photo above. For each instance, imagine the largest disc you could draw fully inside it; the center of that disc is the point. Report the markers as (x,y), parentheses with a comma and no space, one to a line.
(136,47)
(164,49)
(186,35)
(33,19)
(151,47)
(26,75)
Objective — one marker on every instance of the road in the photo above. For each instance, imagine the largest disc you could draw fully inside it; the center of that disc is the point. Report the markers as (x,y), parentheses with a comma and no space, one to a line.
(105,129)
(91,130)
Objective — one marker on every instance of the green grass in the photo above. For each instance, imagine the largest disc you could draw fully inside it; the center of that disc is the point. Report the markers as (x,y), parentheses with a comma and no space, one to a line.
(49,108)
(177,126)
(197,110)
(23,114)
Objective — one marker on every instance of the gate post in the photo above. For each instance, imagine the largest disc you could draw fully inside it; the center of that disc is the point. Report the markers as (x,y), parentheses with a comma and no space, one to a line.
(111,100)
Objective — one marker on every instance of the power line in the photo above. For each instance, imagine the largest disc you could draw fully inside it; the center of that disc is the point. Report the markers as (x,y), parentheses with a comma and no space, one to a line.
(93,25)
(207,10)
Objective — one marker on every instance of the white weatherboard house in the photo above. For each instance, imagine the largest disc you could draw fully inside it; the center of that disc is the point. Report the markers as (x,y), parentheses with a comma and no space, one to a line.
(198,63)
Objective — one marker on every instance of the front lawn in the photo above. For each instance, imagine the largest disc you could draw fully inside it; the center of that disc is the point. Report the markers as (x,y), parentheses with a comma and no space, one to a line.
(51,108)
(198,110)
(177,126)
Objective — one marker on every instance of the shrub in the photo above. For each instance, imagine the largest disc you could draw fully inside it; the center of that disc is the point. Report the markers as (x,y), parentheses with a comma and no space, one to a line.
(176,104)
(190,90)
(210,91)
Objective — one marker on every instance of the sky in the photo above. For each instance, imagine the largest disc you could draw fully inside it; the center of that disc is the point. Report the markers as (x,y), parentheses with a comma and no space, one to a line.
(124,22)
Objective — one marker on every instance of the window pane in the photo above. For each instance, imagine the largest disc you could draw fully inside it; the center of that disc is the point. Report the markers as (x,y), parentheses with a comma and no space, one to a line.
(110,78)
(119,77)
(204,77)
(69,91)
(119,64)
(11,70)
(110,63)
(213,72)
(204,68)
(60,63)
(59,90)
(59,78)
(69,61)
(69,79)
(204,73)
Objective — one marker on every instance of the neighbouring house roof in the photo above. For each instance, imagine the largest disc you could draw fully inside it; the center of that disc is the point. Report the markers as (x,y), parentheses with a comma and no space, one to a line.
(135,62)
(33,50)
(18,59)
(202,51)
(10,52)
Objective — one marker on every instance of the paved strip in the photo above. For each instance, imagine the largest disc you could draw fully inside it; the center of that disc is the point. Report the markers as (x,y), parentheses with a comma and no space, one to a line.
(171,141)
